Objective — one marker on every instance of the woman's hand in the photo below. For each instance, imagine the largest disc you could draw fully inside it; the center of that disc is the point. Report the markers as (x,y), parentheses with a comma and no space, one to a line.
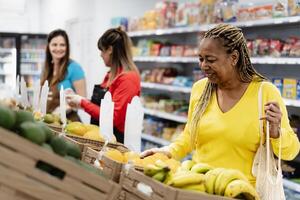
(273,115)
(74,100)
(150,152)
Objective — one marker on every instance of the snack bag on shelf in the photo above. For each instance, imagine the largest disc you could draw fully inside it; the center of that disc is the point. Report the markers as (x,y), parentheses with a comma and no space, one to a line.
(293,7)
(280,8)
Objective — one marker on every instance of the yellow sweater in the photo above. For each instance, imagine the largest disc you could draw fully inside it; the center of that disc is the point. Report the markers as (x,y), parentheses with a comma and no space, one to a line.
(231,139)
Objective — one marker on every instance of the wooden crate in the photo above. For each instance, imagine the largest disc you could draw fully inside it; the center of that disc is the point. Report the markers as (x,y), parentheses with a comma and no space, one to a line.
(21,179)
(135,183)
(112,169)
(94,143)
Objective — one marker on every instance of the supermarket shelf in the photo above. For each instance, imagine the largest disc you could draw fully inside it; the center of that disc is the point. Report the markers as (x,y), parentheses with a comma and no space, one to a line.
(166,59)
(165,115)
(254,23)
(270,60)
(5,50)
(32,61)
(33,50)
(5,60)
(292,102)
(291,185)
(170,88)
(155,140)
(254,60)
(30,72)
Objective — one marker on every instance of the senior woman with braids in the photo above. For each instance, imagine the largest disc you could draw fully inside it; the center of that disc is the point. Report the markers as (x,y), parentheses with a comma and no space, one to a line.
(223,119)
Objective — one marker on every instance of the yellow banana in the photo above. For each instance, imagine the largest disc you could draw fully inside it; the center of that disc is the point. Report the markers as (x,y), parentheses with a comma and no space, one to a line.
(152,169)
(196,188)
(162,164)
(201,168)
(187,178)
(241,189)
(187,165)
(160,176)
(169,177)
(210,178)
(226,177)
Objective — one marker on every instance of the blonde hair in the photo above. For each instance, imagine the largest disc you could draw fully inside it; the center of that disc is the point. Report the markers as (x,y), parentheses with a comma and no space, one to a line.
(121,51)
(232,39)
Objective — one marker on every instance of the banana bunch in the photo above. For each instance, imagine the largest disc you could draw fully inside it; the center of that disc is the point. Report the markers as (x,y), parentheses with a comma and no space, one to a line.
(189,176)
(229,182)
(158,171)
(187,180)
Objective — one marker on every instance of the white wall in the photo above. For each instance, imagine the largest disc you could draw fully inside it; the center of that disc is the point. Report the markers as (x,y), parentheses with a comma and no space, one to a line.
(20,16)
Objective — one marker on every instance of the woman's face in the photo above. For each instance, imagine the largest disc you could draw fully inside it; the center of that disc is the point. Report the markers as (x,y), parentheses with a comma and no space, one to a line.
(58,47)
(106,56)
(215,62)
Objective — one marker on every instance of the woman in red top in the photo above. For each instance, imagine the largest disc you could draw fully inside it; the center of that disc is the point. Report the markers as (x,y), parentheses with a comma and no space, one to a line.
(122,80)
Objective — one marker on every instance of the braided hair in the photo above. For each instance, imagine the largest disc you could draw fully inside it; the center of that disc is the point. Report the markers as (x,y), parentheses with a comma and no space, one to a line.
(233,39)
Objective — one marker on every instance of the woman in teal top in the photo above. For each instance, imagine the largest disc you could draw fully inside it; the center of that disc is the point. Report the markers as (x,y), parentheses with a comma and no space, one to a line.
(60,70)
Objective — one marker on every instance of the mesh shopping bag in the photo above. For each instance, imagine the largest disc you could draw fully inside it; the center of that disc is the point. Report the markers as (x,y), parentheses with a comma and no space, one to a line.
(269,183)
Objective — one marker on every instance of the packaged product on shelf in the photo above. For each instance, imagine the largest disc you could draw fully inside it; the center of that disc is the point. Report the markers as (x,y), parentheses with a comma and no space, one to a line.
(150,20)
(229,10)
(177,50)
(133,24)
(206,11)
(166,13)
(245,12)
(275,48)
(289,88)
(280,8)
(119,21)
(263,11)
(165,50)
(278,82)
(190,51)
(193,13)
(155,49)
(295,48)
(293,7)
(181,18)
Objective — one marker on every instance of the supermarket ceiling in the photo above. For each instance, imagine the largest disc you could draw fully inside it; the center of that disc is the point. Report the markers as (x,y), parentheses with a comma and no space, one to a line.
(12,5)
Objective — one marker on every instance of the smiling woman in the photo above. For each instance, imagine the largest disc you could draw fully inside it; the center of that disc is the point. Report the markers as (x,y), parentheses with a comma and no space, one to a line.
(60,70)
(223,119)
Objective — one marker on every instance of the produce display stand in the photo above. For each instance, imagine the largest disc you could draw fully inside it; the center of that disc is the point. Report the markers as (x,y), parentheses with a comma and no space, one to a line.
(54,127)
(81,141)
(137,186)
(112,169)
(21,179)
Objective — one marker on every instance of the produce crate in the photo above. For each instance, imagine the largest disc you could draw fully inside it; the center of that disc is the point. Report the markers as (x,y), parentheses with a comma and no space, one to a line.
(137,186)
(56,128)
(112,169)
(21,179)
(81,141)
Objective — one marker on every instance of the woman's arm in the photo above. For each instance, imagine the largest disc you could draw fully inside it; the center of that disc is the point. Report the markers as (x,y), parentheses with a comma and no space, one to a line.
(80,87)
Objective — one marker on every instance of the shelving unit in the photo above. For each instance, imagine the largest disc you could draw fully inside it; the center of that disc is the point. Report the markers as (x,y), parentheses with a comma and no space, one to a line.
(291,185)
(165,115)
(254,60)
(156,140)
(267,62)
(8,66)
(205,27)
(163,87)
